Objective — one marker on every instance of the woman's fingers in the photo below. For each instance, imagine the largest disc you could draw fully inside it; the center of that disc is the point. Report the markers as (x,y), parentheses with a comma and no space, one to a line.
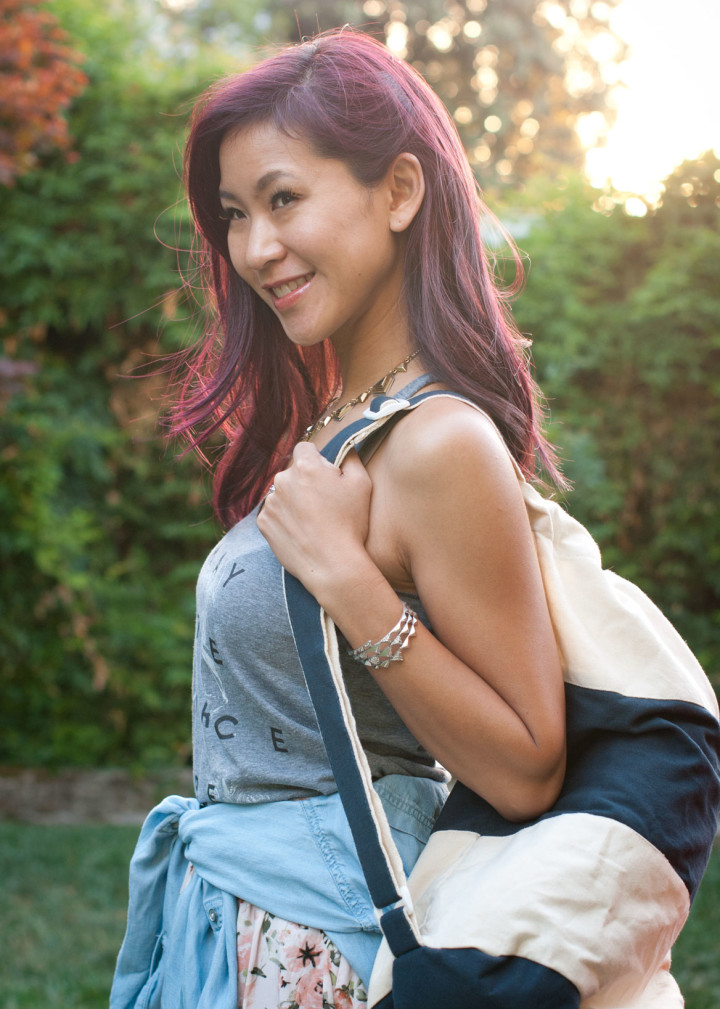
(308,468)
(353,469)
(316,511)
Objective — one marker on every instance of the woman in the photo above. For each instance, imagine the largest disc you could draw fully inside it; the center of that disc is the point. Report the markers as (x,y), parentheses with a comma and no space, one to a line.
(340,223)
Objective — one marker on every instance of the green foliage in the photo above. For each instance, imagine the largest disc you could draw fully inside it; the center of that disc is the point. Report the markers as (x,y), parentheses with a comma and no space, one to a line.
(626,315)
(100,532)
(98,554)
(79,250)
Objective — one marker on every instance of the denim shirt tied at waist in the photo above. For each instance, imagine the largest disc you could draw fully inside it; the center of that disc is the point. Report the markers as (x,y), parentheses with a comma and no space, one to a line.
(295,859)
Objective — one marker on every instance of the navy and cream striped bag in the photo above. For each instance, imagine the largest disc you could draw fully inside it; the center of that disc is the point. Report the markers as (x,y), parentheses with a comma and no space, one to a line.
(581,906)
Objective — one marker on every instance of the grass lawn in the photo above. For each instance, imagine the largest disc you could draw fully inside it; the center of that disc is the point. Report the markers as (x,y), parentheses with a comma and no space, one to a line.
(63,918)
(63,913)
(696,957)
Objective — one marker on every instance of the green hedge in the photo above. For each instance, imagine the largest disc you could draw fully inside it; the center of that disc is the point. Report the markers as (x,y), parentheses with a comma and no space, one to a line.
(102,530)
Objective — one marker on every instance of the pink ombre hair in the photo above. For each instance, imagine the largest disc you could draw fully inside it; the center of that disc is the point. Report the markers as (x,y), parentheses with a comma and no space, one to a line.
(350,99)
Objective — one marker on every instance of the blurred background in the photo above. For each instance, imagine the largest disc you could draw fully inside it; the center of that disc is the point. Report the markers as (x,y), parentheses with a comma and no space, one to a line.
(593,128)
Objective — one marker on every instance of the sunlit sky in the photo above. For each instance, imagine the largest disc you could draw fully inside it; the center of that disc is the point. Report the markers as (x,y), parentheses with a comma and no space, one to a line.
(671,108)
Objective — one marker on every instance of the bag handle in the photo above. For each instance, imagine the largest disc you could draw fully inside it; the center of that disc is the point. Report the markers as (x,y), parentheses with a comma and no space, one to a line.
(316,643)
(381,408)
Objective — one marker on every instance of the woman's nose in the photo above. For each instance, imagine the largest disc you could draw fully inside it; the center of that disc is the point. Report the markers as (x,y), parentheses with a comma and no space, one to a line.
(264,245)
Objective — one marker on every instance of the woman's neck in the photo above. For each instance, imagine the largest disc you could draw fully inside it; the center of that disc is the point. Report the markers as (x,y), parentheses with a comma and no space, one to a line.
(363,363)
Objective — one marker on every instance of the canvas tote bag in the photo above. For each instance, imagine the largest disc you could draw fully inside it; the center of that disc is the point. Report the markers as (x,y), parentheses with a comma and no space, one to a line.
(580,906)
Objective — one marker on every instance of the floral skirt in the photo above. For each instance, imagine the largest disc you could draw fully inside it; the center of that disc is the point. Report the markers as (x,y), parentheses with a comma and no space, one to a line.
(286,966)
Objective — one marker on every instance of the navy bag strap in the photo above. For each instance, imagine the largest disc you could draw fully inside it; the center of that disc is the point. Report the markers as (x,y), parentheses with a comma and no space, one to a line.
(359,430)
(387,887)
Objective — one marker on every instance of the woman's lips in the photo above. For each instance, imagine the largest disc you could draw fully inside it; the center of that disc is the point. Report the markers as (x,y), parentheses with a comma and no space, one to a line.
(286,295)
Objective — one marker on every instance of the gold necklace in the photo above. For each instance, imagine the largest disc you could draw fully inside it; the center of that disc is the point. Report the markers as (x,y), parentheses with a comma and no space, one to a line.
(381,386)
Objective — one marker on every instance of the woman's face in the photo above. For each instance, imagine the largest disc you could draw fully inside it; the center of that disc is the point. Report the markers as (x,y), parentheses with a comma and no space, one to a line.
(311,241)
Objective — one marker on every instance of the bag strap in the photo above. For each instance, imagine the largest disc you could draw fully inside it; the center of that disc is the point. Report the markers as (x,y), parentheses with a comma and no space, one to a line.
(316,643)
(380,409)
(383,407)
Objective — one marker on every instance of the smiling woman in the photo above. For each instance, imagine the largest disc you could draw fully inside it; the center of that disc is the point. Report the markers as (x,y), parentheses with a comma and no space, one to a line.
(283,239)
(339,225)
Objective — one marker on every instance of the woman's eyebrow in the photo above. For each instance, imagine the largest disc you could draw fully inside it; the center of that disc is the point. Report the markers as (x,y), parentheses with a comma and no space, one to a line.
(261,185)
(272,176)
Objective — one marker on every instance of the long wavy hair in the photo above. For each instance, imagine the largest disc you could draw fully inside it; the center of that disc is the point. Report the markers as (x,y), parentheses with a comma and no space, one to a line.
(350,99)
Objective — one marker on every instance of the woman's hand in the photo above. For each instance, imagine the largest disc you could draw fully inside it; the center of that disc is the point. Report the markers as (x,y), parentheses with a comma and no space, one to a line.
(483,692)
(316,519)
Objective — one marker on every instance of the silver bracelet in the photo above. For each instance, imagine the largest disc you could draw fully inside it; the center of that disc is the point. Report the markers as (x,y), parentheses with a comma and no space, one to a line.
(379,654)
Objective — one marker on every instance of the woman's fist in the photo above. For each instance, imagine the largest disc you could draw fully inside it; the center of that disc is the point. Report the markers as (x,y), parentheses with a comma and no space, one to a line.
(317,517)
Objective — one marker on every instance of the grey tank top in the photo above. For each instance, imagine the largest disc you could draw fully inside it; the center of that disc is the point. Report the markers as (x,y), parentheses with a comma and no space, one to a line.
(255,736)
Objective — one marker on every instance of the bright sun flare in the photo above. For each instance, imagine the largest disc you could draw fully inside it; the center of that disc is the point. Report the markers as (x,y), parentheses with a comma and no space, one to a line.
(671,108)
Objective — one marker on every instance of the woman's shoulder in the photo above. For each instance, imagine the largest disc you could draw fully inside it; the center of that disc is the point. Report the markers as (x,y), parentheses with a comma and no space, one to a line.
(446,438)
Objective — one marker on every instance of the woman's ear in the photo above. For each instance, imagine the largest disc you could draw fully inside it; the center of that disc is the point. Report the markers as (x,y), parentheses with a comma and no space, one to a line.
(406,184)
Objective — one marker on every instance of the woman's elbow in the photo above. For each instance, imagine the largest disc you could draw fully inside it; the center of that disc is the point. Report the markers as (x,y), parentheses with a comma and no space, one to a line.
(529,796)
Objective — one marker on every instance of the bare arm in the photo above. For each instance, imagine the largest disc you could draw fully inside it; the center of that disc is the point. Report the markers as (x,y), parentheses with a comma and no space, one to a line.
(484,692)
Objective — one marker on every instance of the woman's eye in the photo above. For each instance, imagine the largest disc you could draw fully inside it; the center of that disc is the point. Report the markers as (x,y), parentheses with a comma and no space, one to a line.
(283,199)
(230,214)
